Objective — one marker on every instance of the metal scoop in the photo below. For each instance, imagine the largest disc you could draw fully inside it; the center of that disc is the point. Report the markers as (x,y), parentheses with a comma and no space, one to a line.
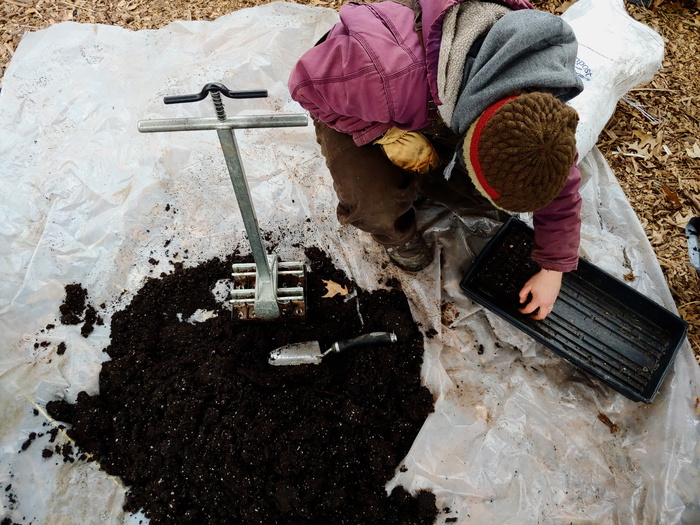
(309,352)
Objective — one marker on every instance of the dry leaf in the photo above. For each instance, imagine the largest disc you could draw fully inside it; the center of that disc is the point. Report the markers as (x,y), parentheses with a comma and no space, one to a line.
(672,196)
(333,289)
(606,420)
(657,238)
(646,139)
(564,6)
(638,150)
(681,218)
(648,145)
(693,151)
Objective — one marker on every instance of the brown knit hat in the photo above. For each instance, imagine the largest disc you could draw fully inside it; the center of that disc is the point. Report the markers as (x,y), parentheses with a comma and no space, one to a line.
(520,150)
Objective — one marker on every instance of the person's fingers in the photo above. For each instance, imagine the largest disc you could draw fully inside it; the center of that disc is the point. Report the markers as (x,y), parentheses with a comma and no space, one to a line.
(529,307)
(541,314)
(532,306)
(524,293)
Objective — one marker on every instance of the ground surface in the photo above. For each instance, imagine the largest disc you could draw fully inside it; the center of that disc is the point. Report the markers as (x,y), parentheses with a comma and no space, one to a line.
(652,142)
(202,429)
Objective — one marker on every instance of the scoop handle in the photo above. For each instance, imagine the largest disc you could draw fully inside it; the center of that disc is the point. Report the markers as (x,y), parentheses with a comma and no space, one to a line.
(373,338)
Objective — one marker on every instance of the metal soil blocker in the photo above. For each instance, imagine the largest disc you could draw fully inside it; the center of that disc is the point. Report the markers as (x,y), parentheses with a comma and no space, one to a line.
(269,288)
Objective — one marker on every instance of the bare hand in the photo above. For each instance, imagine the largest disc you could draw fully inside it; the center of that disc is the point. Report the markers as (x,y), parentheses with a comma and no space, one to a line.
(544,287)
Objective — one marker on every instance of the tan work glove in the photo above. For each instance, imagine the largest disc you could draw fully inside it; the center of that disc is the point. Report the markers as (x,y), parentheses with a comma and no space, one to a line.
(409,150)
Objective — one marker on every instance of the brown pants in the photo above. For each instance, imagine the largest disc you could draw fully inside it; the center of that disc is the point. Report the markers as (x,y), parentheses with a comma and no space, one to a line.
(377,197)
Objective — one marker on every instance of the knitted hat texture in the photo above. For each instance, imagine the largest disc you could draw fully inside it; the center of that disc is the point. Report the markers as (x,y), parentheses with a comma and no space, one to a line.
(520,150)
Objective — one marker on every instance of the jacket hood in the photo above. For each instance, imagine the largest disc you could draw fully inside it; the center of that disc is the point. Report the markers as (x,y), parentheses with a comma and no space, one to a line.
(524,51)
(432,15)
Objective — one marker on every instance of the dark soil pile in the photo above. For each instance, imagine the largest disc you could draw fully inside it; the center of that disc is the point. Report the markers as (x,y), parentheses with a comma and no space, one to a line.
(203,430)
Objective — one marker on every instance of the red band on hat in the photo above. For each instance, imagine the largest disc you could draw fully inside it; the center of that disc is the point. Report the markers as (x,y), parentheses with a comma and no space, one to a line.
(473,145)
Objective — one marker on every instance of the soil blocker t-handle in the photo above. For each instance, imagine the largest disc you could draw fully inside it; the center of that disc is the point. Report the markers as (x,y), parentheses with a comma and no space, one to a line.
(266,299)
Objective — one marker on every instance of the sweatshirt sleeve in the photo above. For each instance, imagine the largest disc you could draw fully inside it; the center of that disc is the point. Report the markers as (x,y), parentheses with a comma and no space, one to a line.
(558,227)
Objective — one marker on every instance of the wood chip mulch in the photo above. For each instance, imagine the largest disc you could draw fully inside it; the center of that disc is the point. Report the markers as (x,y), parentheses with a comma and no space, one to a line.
(652,142)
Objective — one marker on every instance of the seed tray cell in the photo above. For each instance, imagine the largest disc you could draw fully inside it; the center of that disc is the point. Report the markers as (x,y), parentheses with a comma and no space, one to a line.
(599,323)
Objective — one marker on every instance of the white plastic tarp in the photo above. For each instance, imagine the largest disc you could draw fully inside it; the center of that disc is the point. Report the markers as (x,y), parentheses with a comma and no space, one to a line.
(86,198)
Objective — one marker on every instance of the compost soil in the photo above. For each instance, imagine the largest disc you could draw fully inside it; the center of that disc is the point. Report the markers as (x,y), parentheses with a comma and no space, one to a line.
(507,269)
(202,429)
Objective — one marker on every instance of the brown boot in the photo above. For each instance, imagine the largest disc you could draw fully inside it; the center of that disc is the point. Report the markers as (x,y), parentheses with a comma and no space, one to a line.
(412,256)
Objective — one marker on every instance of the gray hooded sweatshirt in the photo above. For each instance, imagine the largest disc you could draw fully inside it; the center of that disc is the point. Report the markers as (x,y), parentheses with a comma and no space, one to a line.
(524,51)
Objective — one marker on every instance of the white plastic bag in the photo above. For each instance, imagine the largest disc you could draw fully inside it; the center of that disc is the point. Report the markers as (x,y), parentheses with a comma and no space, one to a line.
(616,53)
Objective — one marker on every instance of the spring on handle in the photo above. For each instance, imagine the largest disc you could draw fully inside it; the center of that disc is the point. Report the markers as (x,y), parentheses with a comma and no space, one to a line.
(218,106)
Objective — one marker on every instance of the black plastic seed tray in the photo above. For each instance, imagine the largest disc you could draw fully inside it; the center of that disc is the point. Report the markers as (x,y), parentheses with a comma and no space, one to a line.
(600,324)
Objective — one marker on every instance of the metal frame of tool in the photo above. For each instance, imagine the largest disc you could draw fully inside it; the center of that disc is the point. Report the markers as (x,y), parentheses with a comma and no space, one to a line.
(256,293)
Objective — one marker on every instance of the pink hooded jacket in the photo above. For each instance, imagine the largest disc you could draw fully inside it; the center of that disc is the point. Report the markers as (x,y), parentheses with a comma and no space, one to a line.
(373,73)
(377,73)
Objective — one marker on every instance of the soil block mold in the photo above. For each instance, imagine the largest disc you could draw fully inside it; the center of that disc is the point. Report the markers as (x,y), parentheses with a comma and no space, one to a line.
(599,323)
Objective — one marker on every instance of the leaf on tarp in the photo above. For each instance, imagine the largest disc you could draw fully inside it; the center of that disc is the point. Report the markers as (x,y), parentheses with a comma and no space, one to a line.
(693,151)
(333,289)
(607,421)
